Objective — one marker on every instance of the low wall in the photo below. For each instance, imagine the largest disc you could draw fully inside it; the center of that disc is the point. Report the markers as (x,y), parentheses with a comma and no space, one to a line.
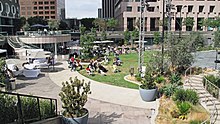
(55,120)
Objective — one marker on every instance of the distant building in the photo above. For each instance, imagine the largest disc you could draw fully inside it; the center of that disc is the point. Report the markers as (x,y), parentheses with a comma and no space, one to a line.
(99,12)
(9,14)
(108,8)
(47,9)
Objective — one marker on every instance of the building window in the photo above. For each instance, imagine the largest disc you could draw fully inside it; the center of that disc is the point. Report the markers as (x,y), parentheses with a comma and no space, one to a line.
(35,8)
(138,8)
(35,3)
(52,7)
(129,8)
(22,13)
(46,2)
(40,2)
(47,12)
(150,9)
(28,8)
(35,12)
(46,7)
(41,13)
(28,13)
(190,8)
(7,8)
(137,0)
(211,8)
(52,17)
(52,2)
(179,8)
(1,6)
(201,8)
(41,7)
(13,9)
(52,12)
(47,17)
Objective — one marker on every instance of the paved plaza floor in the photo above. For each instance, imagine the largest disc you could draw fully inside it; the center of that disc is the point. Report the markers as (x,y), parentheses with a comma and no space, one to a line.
(104,109)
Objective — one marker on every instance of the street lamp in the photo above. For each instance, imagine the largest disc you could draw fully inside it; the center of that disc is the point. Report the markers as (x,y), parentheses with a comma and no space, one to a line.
(180,29)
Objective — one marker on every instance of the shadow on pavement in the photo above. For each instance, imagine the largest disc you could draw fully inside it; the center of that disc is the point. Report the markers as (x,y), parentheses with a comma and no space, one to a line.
(103,118)
(51,69)
(30,78)
(22,85)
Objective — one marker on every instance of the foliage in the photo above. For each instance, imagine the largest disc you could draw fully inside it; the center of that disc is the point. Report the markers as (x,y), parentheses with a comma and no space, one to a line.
(169,89)
(104,35)
(138,77)
(160,79)
(195,122)
(156,37)
(63,25)
(188,22)
(87,22)
(175,78)
(112,23)
(26,27)
(196,40)
(93,32)
(82,29)
(217,38)
(134,35)
(53,24)
(36,20)
(74,96)
(85,42)
(183,107)
(127,36)
(19,23)
(214,79)
(100,23)
(182,95)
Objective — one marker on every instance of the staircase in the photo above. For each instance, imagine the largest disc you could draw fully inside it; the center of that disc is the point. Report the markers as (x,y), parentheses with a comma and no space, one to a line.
(211,104)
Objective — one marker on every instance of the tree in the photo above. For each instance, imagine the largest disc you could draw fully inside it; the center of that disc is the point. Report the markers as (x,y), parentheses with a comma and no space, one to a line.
(53,24)
(112,23)
(188,22)
(86,42)
(217,38)
(87,22)
(19,23)
(157,37)
(165,23)
(100,23)
(104,35)
(93,32)
(63,25)
(26,27)
(36,20)
(127,36)
(134,35)
(82,29)
(196,40)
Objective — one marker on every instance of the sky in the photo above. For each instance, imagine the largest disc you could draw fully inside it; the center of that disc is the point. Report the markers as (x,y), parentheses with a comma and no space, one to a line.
(82,8)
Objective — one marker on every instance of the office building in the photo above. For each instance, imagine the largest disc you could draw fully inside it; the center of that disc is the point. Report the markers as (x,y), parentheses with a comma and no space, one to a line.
(127,12)
(9,14)
(99,13)
(108,8)
(47,9)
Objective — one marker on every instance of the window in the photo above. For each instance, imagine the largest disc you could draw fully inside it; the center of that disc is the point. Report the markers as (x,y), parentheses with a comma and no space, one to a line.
(211,8)
(52,2)
(13,9)
(35,3)
(40,2)
(52,12)
(190,8)
(46,2)
(150,9)
(22,13)
(52,17)
(41,13)
(41,7)
(52,7)
(47,17)
(35,12)
(138,8)
(129,8)
(179,8)
(28,13)
(47,12)
(201,8)
(137,0)
(28,8)
(1,6)
(23,8)
(35,8)
(46,7)
(7,8)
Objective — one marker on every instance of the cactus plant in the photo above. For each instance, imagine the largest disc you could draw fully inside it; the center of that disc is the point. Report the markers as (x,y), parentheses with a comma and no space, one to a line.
(74,96)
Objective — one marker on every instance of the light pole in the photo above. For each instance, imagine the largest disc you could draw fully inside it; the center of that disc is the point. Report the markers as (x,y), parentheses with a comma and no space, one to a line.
(162,38)
(144,3)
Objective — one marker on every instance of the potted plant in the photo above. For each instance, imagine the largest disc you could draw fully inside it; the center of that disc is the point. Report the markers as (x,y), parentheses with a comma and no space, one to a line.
(74,96)
(148,89)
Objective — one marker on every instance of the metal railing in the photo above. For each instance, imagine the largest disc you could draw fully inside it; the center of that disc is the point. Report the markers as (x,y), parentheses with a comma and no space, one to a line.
(37,100)
(214,113)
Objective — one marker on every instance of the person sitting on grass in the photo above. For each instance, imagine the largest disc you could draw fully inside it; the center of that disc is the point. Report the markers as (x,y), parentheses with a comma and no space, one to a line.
(115,68)
(102,70)
(89,69)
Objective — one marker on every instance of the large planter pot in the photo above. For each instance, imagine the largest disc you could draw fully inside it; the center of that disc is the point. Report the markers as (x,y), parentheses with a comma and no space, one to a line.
(148,95)
(78,120)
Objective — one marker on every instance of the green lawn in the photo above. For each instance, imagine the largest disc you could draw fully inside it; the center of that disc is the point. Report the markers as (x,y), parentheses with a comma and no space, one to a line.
(117,79)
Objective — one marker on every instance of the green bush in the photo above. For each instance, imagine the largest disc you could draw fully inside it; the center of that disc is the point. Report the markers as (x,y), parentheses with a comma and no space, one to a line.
(213,79)
(183,107)
(182,95)
(45,109)
(160,79)
(29,108)
(138,77)
(168,90)
(195,122)
(175,79)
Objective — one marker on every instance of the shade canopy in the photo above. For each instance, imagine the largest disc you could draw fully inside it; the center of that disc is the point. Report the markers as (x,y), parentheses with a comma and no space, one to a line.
(39,25)
(40,54)
(105,41)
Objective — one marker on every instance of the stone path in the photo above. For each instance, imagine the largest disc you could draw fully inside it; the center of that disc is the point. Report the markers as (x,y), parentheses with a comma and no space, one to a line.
(101,111)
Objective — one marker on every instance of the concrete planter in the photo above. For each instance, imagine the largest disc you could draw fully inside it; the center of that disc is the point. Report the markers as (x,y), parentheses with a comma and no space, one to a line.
(79,120)
(148,95)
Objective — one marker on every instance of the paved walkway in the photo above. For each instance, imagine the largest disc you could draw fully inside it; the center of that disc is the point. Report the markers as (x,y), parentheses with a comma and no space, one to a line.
(107,104)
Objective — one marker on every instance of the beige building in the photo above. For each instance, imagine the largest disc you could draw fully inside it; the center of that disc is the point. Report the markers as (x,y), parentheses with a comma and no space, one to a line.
(47,9)
(128,12)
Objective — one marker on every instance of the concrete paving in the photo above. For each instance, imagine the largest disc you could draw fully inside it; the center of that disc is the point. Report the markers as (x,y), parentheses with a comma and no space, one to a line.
(107,104)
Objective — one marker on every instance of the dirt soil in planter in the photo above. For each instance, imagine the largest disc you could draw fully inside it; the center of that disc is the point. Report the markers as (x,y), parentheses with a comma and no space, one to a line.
(167,105)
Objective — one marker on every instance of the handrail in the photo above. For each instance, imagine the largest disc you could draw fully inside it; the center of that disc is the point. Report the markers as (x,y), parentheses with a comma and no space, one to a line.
(20,114)
(215,111)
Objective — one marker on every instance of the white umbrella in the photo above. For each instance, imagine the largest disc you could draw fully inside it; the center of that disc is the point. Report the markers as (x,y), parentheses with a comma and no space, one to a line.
(40,54)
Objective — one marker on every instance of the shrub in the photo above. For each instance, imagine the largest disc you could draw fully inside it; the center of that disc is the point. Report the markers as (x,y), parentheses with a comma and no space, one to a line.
(168,90)
(195,122)
(45,109)
(160,79)
(148,83)
(175,79)
(182,95)
(183,107)
(138,77)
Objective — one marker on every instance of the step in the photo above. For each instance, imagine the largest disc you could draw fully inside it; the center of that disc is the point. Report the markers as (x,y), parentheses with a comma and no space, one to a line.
(209,103)
(197,86)
(204,95)
(207,99)
(196,77)
(202,91)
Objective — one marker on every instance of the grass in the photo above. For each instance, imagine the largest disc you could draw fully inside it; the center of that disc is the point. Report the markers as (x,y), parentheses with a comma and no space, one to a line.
(117,79)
